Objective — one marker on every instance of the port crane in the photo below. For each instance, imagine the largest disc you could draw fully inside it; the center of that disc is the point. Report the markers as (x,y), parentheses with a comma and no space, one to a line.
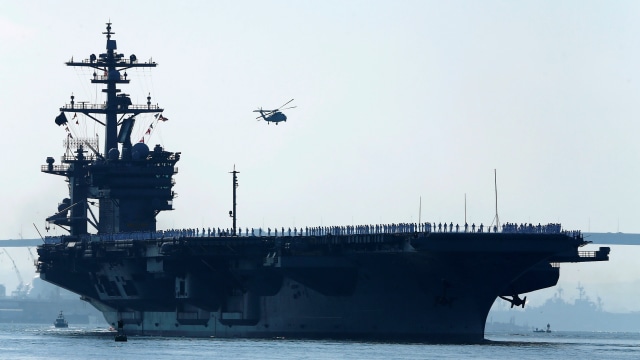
(22,289)
(32,257)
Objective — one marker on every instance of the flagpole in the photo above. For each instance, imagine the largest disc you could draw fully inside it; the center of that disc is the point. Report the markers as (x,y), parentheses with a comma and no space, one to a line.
(495,186)
(420,212)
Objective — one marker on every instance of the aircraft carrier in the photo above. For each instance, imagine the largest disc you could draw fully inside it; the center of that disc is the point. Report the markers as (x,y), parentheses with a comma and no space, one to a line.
(399,282)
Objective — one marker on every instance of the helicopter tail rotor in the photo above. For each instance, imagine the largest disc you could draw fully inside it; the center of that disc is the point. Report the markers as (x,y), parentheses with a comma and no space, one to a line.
(263,113)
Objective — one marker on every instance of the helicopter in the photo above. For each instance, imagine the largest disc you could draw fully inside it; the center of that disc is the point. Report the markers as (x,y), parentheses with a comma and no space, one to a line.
(274,116)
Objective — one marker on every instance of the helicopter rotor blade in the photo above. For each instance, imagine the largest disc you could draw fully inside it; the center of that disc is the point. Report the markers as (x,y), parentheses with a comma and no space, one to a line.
(285,104)
(264,114)
(290,107)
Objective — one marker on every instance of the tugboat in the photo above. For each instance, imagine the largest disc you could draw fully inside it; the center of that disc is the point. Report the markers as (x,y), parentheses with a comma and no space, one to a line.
(543,330)
(60,321)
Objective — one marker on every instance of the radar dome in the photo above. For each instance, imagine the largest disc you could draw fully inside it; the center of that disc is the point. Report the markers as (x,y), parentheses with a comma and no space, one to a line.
(113,154)
(140,151)
(66,202)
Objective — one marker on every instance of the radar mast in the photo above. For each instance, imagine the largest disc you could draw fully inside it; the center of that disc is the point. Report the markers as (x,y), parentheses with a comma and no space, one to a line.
(131,183)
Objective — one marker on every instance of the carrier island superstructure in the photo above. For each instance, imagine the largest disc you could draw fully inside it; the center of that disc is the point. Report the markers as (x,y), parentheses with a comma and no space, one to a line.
(392,282)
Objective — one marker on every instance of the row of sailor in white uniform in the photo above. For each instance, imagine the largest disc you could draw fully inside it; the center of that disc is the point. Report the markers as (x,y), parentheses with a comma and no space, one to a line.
(329,230)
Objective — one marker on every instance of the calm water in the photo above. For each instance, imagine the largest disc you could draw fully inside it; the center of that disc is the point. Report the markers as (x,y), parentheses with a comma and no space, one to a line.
(24,341)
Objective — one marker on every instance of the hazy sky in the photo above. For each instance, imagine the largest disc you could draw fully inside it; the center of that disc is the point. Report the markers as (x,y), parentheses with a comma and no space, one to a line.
(396,101)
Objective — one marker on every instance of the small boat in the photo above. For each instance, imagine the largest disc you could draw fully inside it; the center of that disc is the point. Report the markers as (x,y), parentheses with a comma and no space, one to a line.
(60,321)
(543,330)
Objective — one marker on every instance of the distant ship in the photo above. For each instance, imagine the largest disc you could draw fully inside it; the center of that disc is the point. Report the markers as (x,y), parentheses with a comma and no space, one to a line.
(387,281)
(60,321)
(548,330)
(581,314)
(40,302)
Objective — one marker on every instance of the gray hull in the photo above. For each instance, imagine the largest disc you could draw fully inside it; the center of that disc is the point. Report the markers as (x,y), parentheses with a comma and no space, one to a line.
(418,286)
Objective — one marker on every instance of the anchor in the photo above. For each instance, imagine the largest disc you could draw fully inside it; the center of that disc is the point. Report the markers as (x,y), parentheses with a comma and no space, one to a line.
(515,300)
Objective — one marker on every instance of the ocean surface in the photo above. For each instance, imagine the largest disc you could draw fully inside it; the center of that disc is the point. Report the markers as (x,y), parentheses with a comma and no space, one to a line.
(28,341)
